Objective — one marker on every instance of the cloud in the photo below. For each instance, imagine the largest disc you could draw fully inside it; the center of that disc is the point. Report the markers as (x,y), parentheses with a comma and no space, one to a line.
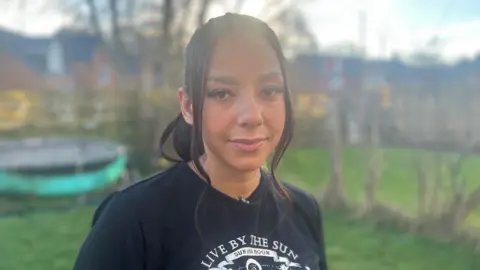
(333,22)
(462,39)
(32,19)
(336,22)
(456,39)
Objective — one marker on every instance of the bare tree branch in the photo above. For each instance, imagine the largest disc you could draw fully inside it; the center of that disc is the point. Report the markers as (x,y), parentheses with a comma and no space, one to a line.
(472,202)
(94,20)
(437,185)
(239,4)
(422,185)
(113,5)
(203,11)
(167,18)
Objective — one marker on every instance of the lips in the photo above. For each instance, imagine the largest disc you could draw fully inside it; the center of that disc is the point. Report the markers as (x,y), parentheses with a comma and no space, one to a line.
(248,145)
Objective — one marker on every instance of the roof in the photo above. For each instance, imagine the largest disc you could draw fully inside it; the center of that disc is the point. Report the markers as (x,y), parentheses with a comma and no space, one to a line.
(311,72)
(77,47)
(30,50)
(391,70)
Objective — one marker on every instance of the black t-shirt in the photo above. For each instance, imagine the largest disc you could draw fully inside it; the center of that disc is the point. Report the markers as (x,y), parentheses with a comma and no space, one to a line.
(176,221)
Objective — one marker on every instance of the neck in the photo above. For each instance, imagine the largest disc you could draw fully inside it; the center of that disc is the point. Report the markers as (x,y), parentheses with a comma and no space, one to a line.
(234,183)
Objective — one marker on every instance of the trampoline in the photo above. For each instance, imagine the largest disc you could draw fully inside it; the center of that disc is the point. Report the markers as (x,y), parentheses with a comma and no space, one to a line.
(54,167)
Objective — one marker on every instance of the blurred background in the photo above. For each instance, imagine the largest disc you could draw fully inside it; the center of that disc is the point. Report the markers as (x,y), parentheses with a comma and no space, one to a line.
(385,93)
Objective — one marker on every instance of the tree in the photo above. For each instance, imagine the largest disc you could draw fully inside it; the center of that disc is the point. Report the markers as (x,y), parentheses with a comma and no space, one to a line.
(346,49)
(334,194)
(444,206)
(292,29)
(424,58)
(159,29)
(374,164)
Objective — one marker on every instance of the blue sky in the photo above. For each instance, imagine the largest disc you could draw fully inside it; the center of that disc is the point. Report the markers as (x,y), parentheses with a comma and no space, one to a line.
(407,24)
(430,12)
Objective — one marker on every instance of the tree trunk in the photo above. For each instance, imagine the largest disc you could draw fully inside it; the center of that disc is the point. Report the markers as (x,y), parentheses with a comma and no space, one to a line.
(437,184)
(334,195)
(114,20)
(470,204)
(374,166)
(93,18)
(460,205)
(422,188)
(117,48)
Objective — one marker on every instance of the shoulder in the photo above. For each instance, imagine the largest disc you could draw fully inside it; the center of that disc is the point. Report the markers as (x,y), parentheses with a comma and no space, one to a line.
(306,209)
(303,201)
(123,222)
(141,197)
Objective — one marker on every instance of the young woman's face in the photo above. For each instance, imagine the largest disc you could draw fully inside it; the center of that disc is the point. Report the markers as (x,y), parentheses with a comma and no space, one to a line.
(244,108)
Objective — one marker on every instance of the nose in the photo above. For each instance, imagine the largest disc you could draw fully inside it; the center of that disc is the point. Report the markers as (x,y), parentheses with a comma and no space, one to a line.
(249,112)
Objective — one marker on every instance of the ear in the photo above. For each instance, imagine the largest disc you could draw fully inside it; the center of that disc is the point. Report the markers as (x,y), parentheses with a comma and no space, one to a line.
(185,105)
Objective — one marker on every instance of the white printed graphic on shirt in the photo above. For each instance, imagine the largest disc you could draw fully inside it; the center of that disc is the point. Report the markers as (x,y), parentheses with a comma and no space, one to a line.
(251,252)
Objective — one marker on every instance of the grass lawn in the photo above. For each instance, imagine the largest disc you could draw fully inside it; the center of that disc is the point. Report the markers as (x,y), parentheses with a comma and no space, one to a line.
(51,241)
(359,245)
(43,241)
(398,186)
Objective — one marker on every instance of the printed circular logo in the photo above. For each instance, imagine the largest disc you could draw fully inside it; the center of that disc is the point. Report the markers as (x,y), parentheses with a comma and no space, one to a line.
(253,265)
(251,252)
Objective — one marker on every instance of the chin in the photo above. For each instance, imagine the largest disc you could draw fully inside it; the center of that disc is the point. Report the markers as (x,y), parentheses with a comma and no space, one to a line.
(247,165)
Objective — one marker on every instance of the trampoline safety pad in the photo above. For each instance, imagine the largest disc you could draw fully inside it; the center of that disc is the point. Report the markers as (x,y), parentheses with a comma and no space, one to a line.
(45,153)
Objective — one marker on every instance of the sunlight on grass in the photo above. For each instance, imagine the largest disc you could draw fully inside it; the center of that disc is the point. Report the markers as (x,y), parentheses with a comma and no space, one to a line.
(398,186)
(358,245)
(51,241)
(43,241)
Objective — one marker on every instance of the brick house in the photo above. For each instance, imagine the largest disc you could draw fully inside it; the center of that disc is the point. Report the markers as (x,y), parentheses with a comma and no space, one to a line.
(64,61)
(309,81)
(432,102)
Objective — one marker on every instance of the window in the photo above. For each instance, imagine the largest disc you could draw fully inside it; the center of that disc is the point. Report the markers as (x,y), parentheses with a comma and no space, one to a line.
(55,61)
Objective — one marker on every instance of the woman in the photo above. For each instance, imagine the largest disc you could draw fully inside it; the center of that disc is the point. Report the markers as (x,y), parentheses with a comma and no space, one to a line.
(216,208)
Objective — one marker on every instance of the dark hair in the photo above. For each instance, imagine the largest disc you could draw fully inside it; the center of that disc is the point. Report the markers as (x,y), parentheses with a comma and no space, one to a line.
(187,139)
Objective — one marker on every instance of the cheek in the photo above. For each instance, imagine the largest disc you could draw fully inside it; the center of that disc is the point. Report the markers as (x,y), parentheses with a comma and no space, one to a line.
(275,118)
(215,121)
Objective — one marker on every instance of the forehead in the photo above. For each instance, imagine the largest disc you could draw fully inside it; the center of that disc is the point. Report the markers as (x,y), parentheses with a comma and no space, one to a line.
(238,54)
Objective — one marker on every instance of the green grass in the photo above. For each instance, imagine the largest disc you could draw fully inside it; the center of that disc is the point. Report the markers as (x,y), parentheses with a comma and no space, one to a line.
(398,186)
(43,241)
(51,241)
(359,245)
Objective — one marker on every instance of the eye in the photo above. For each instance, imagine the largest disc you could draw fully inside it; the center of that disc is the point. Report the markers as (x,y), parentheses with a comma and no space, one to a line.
(219,94)
(272,91)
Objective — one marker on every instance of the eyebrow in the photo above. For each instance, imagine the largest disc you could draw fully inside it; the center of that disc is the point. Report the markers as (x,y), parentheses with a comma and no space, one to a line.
(232,81)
